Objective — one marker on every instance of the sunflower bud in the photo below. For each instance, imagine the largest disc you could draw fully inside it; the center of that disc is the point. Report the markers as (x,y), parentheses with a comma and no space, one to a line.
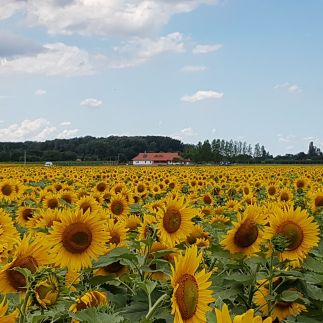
(47,291)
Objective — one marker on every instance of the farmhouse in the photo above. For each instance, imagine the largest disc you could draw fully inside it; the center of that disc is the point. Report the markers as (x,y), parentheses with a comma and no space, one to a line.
(159,159)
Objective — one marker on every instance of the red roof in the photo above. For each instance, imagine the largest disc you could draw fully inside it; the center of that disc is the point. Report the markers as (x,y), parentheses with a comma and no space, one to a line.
(157,157)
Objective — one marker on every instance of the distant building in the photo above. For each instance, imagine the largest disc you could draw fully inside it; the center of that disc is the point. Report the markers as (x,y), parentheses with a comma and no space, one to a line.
(159,159)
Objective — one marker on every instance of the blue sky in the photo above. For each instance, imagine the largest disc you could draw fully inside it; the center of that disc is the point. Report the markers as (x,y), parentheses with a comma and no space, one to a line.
(246,70)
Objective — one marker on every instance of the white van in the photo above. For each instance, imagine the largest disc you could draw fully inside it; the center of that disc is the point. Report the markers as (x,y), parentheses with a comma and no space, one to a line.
(48,164)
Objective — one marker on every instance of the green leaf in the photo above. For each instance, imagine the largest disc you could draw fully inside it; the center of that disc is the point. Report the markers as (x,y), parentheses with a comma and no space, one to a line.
(290,295)
(92,315)
(315,292)
(313,264)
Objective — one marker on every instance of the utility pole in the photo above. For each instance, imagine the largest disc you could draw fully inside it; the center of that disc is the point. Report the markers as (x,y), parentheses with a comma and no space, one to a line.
(25,157)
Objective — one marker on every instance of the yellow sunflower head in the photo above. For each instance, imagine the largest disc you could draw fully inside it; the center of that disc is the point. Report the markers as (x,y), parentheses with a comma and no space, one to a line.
(78,239)
(89,299)
(118,206)
(246,235)
(223,316)
(46,291)
(87,203)
(298,228)
(191,296)
(281,309)
(30,254)
(174,221)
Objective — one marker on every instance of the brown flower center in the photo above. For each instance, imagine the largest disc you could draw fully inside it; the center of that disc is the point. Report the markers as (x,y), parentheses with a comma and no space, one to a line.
(6,189)
(293,233)
(16,279)
(318,201)
(140,188)
(246,190)
(246,235)
(101,187)
(172,219)
(85,206)
(115,238)
(271,190)
(117,207)
(284,197)
(27,214)
(207,199)
(77,237)
(187,295)
(52,203)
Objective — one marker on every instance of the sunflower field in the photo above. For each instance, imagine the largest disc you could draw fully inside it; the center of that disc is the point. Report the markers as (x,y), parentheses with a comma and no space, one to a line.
(161,244)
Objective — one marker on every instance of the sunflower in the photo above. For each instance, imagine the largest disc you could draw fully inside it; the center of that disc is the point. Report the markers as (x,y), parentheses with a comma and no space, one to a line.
(68,197)
(87,203)
(285,195)
(219,219)
(191,295)
(30,254)
(316,199)
(25,216)
(281,309)
(117,233)
(174,221)
(118,206)
(132,222)
(9,235)
(101,187)
(145,229)
(46,217)
(78,239)
(197,233)
(46,291)
(141,189)
(89,299)
(207,199)
(245,237)
(7,190)
(223,316)
(51,200)
(300,230)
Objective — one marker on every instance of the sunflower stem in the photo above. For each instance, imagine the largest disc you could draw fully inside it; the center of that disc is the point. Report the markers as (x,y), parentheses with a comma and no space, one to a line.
(155,306)
(22,317)
(270,281)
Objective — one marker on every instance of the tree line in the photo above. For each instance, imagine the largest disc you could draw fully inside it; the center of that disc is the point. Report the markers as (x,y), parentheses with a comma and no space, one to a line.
(121,149)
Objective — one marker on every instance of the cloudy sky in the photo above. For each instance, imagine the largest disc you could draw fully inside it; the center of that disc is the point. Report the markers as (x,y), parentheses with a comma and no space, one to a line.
(190,69)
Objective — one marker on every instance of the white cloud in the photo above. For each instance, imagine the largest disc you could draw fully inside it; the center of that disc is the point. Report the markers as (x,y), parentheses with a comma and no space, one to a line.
(102,17)
(26,130)
(91,103)
(193,68)
(139,50)
(291,88)
(40,92)
(184,134)
(204,49)
(9,8)
(57,59)
(65,123)
(202,95)
(45,134)
(65,134)
(35,130)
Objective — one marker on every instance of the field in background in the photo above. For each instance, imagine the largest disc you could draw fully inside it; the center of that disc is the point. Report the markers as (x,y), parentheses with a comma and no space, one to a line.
(161,244)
